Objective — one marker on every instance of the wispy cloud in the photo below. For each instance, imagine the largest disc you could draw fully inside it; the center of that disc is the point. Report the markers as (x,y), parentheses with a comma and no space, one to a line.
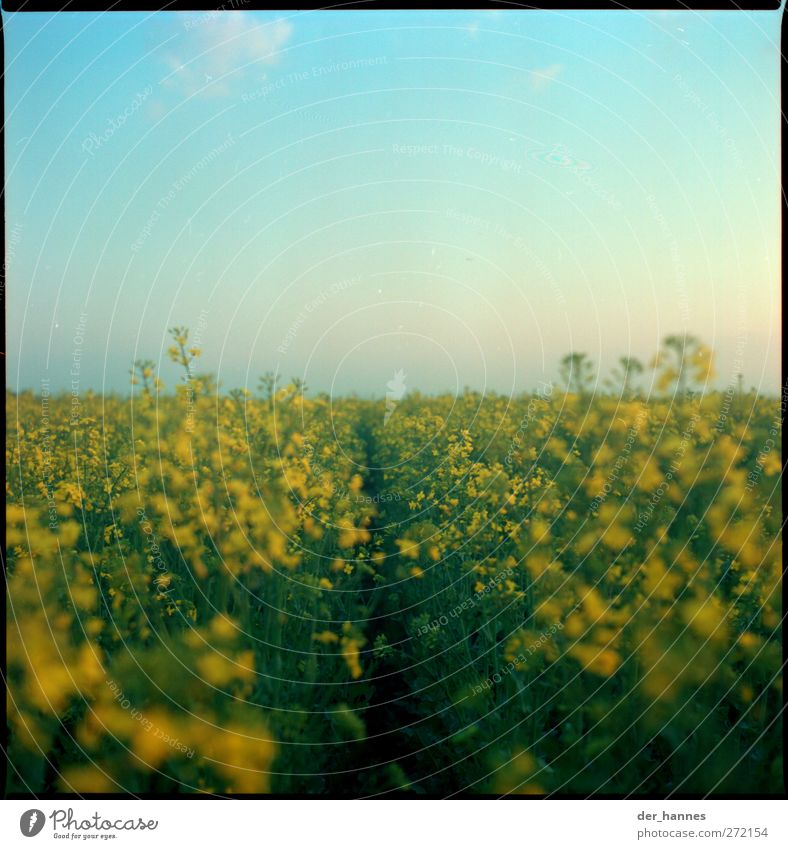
(213,54)
(542,77)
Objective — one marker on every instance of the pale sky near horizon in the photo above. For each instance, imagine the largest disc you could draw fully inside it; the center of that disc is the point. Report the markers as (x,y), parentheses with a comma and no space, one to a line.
(465,196)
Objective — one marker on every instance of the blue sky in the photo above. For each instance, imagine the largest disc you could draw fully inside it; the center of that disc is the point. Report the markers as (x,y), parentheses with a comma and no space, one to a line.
(462,195)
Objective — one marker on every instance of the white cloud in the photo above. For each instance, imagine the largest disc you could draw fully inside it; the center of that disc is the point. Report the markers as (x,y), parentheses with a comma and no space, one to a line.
(215,51)
(542,77)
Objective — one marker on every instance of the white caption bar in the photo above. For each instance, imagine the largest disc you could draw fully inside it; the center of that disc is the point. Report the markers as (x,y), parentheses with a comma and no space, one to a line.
(394,823)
